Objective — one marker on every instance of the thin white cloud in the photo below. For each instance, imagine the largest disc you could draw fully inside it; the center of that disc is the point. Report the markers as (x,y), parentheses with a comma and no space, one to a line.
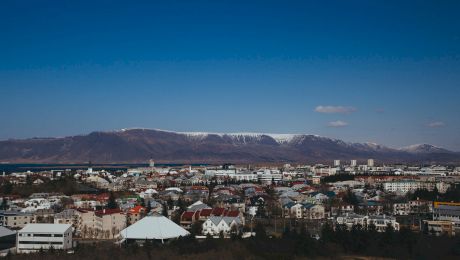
(335,109)
(436,124)
(337,123)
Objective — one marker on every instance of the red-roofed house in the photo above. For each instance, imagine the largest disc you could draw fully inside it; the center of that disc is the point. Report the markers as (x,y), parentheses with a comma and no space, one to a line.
(135,214)
(188,218)
(204,214)
(102,224)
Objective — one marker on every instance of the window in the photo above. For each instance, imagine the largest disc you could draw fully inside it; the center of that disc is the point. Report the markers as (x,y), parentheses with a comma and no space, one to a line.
(42,235)
(40,243)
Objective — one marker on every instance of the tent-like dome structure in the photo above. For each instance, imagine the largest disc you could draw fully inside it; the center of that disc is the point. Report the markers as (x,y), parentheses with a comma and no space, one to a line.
(153,227)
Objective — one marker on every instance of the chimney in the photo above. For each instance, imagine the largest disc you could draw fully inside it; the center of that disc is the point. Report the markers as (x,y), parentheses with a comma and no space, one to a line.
(103,211)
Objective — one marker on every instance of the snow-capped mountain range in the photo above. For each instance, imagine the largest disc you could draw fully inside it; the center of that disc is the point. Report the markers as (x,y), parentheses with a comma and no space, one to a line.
(139,145)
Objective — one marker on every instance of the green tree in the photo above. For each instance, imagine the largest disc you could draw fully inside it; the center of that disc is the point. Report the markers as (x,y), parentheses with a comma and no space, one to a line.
(7,188)
(28,180)
(142,202)
(165,210)
(148,207)
(196,229)
(111,203)
(260,231)
(4,205)
(350,198)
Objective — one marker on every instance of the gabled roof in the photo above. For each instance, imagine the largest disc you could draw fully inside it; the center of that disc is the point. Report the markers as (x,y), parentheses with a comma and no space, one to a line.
(228,220)
(198,206)
(308,205)
(232,213)
(218,211)
(215,220)
(290,204)
(187,215)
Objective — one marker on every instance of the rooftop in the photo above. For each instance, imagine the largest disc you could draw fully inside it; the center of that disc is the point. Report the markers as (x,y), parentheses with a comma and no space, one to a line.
(45,228)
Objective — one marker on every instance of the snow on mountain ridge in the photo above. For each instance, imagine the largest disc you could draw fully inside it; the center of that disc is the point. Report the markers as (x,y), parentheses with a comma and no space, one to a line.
(245,137)
(279,138)
(423,148)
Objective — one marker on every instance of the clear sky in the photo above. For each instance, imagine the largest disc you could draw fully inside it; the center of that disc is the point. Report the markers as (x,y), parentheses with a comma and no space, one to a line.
(365,71)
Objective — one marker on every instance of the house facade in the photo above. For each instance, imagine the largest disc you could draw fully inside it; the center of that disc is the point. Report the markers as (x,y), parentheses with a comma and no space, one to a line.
(215,226)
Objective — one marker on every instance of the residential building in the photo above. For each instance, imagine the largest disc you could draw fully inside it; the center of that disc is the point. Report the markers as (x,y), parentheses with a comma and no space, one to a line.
(380,222)
(15,219)
(221,225)
(102,224)
(304,211)
(401,186)
(401,209)
(135,214)
(438,227)
(69,216)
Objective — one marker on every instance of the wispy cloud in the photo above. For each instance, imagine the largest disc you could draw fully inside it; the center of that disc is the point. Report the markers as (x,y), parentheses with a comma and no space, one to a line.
(337,123)
(436,124)
(335,109)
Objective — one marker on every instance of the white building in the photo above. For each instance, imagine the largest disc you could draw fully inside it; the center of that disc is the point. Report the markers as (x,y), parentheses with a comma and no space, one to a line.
(401,209)
(269,176)
(34,237)
(304,210)
(336,163)
(400,186)
(353,163)
(243,176)
(215,225)
(380,222)
(370,162)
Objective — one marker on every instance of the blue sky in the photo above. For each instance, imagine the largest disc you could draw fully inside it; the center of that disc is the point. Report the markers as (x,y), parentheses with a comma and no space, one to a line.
(364,71)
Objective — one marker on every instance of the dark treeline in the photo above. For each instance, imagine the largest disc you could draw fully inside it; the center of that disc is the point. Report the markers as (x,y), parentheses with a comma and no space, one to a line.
(67,185)
(294,244)
(452,194)
(337,177)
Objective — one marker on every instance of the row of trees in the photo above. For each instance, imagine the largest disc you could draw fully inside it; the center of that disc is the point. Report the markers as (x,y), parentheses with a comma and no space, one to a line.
(452,194)
(66,185)
(294,243)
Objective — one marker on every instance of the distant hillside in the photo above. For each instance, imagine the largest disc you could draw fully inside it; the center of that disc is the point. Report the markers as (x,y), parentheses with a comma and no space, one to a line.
(139,145)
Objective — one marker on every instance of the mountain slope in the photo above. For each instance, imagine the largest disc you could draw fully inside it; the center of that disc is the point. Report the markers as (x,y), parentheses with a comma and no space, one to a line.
(424,149)
(139,145)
